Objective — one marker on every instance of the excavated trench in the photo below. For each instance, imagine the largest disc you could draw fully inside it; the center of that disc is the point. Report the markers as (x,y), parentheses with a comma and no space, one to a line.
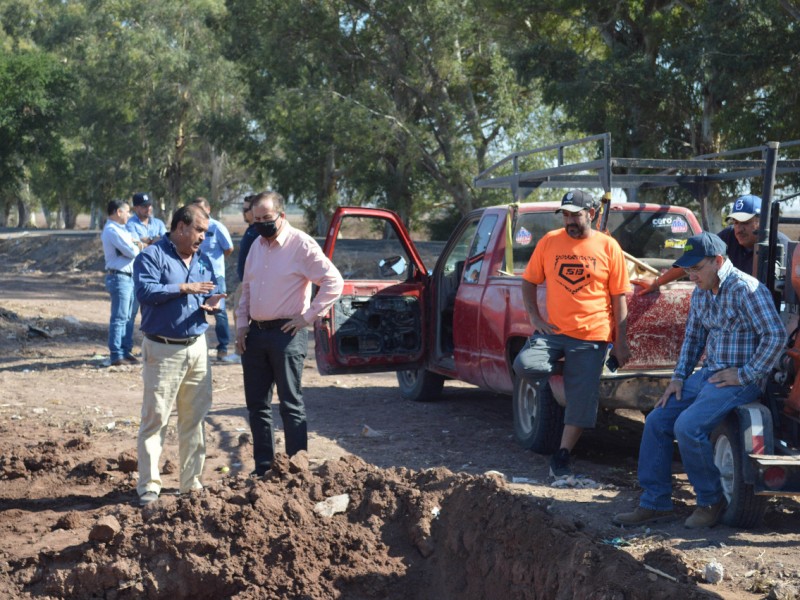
(404,535)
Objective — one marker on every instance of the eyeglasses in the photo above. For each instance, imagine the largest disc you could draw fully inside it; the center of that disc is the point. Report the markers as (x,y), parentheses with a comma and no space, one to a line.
(697,268)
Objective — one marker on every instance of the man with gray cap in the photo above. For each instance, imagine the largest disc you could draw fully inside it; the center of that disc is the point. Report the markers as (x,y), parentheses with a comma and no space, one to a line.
(733,320)
(585,310)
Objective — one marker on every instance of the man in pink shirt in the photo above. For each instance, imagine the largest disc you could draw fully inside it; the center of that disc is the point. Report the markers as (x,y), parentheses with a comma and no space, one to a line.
(272,317)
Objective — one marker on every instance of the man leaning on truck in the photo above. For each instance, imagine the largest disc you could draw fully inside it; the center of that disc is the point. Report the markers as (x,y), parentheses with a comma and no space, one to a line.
(586,309)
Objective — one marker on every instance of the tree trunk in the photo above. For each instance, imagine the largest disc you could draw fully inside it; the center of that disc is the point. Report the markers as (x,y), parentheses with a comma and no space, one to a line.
(24,212)
(70,215)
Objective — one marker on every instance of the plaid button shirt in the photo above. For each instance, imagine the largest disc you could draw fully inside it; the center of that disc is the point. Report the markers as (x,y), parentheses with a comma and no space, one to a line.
(737,327)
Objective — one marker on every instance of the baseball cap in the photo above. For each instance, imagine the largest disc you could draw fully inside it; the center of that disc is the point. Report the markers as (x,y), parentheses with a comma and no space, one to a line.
(141,199)
(699,247)
(745,208)
(576,201)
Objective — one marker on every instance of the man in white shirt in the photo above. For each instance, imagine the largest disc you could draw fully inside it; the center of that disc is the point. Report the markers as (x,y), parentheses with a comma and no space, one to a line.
(120,249)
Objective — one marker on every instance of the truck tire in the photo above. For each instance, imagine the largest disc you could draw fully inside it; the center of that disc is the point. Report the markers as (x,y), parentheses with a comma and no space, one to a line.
(745,509)
(420,385)
(538,418)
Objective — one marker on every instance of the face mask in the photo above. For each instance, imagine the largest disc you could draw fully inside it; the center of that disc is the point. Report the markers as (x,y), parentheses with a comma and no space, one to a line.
(267,229)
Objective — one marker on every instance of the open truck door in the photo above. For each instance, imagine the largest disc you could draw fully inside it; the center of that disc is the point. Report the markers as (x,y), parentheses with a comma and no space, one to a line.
(380,322)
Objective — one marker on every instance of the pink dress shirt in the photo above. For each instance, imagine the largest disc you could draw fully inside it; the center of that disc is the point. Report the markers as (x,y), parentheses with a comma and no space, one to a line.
(278,277)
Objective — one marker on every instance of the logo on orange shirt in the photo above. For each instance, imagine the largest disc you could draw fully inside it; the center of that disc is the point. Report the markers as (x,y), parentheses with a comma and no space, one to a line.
(573,273)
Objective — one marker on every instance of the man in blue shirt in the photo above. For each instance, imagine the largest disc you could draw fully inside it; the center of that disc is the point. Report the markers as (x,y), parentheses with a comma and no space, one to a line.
(741,236)
(733,320)
(119,249)
(217,245)
(174,283)
(142,224)
(144,227)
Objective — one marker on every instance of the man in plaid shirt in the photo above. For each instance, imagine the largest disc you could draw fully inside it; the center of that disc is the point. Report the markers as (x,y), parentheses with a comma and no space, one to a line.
(732,317)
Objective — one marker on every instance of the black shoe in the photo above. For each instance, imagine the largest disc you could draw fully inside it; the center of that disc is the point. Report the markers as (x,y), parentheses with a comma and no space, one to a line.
(559,464)
(131,359)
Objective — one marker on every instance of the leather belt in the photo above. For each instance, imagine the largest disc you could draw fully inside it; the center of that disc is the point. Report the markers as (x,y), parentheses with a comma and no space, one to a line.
(115,272)
(165,340)
(270,324)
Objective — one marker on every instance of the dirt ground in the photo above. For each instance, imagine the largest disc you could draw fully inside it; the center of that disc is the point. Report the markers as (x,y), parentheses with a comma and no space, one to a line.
(442,503)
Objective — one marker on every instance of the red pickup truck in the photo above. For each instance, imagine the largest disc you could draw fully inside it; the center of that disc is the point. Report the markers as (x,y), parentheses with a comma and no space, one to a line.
(466,320)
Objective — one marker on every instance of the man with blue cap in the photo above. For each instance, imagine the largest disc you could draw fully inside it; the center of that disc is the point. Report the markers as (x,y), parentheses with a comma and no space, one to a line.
(734,323)
(740,237)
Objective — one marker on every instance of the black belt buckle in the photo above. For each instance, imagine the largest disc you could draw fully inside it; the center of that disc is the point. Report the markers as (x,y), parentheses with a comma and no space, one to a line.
(162,340)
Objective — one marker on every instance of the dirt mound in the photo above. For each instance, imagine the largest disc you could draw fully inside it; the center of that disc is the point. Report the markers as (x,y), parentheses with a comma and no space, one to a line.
(403,534)
(64,253)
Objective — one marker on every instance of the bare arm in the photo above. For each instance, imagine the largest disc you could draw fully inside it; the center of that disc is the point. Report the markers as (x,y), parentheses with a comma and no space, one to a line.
(529,298)
(651,286)
(619,305)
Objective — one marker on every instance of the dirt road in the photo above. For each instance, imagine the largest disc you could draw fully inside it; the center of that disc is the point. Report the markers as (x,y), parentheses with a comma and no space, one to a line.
(424,520)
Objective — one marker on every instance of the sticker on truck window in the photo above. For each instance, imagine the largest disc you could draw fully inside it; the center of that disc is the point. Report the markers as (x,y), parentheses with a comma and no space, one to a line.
(523,237)
(674,243)
(679,225)
(662,222)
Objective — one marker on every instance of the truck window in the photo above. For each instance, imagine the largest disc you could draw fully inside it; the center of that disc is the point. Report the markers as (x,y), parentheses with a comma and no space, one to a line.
(650,234)
(643,234)
(477,253)
(369,249)
(528,230)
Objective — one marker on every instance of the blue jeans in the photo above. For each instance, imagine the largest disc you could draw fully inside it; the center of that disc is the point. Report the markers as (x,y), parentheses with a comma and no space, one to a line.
(221,319)
(690,421)
(120,327)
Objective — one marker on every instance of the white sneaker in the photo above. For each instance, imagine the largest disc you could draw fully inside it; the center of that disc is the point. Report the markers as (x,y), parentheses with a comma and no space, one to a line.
(232,358)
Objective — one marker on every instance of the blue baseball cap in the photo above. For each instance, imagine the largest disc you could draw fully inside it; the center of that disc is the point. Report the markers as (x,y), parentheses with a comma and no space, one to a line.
(745,208)
(699,247)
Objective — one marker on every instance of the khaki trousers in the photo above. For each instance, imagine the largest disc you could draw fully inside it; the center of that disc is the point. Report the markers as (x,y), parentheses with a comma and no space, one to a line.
(174,374)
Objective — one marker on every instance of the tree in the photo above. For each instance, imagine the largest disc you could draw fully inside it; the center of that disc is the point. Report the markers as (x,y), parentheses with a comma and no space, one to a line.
(35,97)
(150,81)
(667,79)
(389,102)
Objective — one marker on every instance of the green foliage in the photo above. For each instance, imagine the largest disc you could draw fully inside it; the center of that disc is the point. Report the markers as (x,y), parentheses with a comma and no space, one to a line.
(35,100)
(667,79)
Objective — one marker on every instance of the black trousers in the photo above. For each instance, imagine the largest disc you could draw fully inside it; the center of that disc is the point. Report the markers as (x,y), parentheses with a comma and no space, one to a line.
(273,357)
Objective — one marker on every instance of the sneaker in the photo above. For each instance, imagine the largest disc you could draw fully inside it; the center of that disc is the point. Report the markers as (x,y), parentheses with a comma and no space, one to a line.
(641,516)
(117,363)
(559,464)
(131,359)
(148,498)
(232,358)
(221,354)
(705,516)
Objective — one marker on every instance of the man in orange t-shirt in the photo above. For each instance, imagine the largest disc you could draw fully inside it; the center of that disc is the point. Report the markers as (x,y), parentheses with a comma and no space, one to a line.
(585,310)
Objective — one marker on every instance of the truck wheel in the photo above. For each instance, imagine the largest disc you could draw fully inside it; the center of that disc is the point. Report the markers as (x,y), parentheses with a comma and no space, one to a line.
(745,509)
(420,385)
(538,418)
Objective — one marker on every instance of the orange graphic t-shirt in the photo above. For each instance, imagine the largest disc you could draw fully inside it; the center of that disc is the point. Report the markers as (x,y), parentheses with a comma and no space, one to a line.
(581,275)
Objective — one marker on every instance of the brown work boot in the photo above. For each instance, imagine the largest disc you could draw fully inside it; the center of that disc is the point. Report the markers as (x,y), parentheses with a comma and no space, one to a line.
(642,516)
(705,516)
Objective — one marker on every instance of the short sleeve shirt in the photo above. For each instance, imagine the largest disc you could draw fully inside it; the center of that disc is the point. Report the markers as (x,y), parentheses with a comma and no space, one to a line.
(582,275)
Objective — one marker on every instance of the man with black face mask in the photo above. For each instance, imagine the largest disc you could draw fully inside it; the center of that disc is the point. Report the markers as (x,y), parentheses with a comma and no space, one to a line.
(274,311)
